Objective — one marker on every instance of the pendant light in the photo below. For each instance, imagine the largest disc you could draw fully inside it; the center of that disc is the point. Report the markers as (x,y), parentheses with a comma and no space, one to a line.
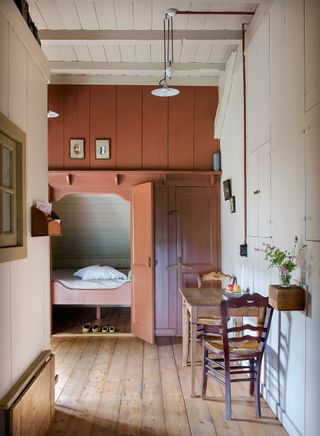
(165,90)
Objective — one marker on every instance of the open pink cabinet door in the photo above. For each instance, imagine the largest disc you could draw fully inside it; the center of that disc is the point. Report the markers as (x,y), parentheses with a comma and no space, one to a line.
(142,262)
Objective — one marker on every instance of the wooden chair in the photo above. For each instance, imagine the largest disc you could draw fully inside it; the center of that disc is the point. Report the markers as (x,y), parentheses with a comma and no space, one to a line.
(214,278)
(229,352)
(206,323)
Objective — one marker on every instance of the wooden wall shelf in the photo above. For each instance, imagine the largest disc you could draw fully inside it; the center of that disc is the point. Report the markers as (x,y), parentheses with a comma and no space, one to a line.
(43,225)
(292,298)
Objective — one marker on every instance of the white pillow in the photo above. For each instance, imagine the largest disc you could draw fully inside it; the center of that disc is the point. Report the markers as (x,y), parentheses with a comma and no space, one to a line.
(99,272)
(129,274)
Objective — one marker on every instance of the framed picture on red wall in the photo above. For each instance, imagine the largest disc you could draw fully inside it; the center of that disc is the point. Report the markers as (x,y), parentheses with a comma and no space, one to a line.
(76,148)
(103,148)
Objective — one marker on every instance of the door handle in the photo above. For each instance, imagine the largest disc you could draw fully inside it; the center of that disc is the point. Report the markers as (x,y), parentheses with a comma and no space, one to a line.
(149,262)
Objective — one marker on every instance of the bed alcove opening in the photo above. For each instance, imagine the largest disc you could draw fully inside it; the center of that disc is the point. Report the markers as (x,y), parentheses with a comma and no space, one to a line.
(95,230)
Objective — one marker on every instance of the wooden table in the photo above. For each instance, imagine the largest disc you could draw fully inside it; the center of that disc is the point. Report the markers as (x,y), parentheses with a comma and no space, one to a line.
(200,303)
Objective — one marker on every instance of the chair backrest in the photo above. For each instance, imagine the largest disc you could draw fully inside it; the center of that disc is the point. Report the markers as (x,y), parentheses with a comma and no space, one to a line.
(233,305)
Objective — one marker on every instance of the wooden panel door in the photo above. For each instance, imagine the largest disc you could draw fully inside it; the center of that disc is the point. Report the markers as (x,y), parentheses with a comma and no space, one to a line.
(142,262)
(198,229)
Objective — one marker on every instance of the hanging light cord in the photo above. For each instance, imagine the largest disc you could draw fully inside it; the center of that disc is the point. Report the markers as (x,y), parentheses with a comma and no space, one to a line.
(167,45)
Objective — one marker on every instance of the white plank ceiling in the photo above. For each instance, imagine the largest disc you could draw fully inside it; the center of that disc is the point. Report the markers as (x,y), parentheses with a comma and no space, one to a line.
(121,41)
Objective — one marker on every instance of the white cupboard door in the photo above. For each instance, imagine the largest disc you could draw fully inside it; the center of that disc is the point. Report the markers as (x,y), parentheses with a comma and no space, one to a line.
(252,194)
(313,175)
(264,177)
(142,262)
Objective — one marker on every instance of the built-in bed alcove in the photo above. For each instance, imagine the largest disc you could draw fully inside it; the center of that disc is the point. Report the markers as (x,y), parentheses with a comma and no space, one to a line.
(96,231)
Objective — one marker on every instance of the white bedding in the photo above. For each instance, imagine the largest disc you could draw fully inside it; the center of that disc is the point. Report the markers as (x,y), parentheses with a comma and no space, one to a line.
(66,278)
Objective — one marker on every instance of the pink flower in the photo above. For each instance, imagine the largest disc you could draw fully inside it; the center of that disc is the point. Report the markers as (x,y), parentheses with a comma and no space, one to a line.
(283,270)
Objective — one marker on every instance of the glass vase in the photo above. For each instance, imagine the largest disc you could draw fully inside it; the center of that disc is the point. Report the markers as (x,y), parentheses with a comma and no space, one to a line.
(284,279)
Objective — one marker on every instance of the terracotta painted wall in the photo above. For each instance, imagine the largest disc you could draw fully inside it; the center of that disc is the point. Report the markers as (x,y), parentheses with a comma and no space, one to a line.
(146,132)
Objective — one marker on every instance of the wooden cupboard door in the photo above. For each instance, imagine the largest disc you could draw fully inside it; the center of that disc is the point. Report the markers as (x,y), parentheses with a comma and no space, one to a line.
(198,229)
(142,262)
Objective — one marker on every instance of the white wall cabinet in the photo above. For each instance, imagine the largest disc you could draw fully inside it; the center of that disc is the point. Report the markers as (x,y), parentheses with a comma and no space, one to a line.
(258,192)
(258,97)
(312,135)
(312,59)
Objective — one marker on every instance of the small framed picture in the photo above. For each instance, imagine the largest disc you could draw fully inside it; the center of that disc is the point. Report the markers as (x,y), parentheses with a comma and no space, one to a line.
(227,189)
(233,204)
(103,148)
(76,148)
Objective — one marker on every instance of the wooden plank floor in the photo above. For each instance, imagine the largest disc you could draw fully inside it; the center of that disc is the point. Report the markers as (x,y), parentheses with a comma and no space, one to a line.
(124,386)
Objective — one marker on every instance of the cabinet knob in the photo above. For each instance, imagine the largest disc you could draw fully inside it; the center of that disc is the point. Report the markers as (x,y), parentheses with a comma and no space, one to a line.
(256,191)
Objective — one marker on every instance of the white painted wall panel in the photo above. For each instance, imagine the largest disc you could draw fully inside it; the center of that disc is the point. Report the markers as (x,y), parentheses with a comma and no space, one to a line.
(17,81)
(96,229)
(25,286)
(291,376)
(5,326)
(4,66)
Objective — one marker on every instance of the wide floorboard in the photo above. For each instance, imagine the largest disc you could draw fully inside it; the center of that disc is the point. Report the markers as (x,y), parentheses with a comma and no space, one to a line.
(124,386)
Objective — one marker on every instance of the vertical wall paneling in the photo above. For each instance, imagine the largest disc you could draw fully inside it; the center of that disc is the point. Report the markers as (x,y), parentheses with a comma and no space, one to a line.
(103,123)
(129,127)
(205,106)
(4,67)
(17,81)
(146,132)
(76,122)
(24,283)
(155,130)
(96,229)
(181,119)
(55,127)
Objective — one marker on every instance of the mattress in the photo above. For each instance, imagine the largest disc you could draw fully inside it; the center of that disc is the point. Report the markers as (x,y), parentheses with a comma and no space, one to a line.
(66,278)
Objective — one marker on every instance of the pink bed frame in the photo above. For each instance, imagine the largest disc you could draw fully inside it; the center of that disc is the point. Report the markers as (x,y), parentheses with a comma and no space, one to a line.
(120,296)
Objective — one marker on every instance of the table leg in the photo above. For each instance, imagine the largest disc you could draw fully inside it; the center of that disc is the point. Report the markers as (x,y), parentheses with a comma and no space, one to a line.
(185,334)
(194,317)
